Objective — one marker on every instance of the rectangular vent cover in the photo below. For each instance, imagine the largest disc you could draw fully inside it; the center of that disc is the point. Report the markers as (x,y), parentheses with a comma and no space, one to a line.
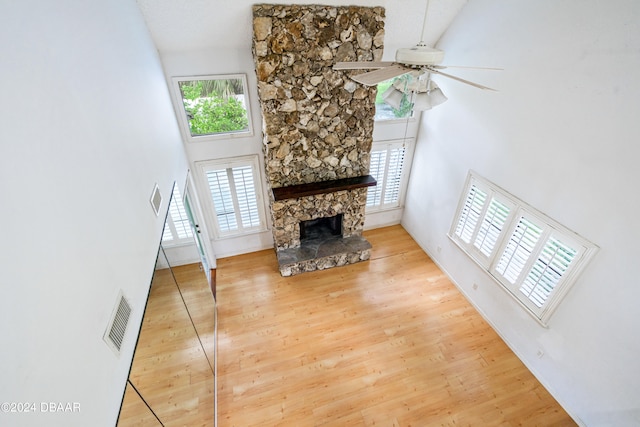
(118,325)
(156,200)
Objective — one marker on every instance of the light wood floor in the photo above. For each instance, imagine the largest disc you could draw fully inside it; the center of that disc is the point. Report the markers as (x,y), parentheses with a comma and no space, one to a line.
(173,365)
(387,342)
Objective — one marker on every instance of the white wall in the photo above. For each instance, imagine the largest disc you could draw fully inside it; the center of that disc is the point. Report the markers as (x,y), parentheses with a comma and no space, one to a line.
(201,38)
(86,130)
(240,61)
(562,134)
(217,60)
(193,25)
(222,61)
(394,130)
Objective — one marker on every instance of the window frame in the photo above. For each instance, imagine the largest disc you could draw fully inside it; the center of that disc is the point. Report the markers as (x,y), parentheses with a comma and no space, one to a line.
(182,114)
(202,167)
(508,235)
(387,146)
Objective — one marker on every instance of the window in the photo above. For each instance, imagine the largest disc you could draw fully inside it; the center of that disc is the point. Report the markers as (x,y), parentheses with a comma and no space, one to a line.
(212,107)
(530,255)
(481,221)
(177,229)
(387,167)
(234,203)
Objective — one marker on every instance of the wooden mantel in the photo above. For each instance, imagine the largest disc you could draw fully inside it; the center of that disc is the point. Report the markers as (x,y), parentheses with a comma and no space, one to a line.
(323,187)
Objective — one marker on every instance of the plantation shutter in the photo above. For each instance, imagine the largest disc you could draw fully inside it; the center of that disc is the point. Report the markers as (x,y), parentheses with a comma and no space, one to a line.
(166,233)
(532,256)
(491,226)
(246,194)
(471,212)
(177,226)
(387,167)
(551,265)
(519,249)
(220,187)
(179,216)
(235,196)
(394,175)
(376,169)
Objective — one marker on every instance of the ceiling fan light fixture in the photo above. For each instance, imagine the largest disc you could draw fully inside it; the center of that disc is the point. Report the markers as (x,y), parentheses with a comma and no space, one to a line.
(421,102)
(428,100)
(393,97)
(436,94)
(412,82)
(437,97)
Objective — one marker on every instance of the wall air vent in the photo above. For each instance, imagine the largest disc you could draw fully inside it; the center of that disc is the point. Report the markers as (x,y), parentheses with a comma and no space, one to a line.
(118,324)
(156,199)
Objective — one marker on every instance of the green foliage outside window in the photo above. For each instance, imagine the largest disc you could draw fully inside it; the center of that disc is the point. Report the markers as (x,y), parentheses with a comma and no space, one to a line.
(212,107)
(405,109)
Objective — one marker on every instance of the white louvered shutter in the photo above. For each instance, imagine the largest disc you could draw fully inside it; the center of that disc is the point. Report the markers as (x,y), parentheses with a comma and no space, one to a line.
(551,265)
(220,187)
(179,216)
(177,227)
(393,179)
(235,204)
(246,195)
(471,213)
(491,226)
(377,169)
(520,246)
(387,167)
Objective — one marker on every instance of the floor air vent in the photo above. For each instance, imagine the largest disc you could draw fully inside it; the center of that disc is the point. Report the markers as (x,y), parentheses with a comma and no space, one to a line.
(118,324)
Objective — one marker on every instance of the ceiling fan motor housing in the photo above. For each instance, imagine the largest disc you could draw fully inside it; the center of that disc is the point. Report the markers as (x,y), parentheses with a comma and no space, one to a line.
(419,55)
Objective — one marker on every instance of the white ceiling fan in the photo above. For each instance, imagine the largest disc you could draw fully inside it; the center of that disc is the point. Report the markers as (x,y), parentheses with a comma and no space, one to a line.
(419,60)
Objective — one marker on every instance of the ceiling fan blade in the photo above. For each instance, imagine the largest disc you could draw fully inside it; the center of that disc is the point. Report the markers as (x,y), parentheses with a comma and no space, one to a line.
(372,78)
(479,86)
(361,65)
(442,67)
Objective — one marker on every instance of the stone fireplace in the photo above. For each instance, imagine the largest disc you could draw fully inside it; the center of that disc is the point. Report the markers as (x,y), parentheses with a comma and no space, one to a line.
(317,128)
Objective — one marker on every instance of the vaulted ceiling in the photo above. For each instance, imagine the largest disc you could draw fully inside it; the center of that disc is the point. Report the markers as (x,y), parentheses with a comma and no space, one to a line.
(190,25)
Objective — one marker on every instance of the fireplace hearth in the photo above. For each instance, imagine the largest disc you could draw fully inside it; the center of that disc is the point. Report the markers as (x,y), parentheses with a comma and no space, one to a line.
(324,250)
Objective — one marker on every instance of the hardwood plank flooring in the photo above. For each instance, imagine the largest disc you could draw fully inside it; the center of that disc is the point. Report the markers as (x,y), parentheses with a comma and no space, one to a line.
(387,342)
(199,301)
(135,412)
(173,364)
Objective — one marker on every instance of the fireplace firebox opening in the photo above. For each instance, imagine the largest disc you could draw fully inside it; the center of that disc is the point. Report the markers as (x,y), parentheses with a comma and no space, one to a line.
(321,228)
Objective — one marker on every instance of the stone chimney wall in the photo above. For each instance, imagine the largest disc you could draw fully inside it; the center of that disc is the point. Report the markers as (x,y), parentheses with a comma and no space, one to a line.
(317,123)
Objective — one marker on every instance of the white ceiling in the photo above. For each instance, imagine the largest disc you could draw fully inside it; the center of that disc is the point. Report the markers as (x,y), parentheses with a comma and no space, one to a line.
(188,25)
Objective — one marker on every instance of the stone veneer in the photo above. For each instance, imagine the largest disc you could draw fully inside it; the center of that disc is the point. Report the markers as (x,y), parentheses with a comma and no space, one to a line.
(317,123)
